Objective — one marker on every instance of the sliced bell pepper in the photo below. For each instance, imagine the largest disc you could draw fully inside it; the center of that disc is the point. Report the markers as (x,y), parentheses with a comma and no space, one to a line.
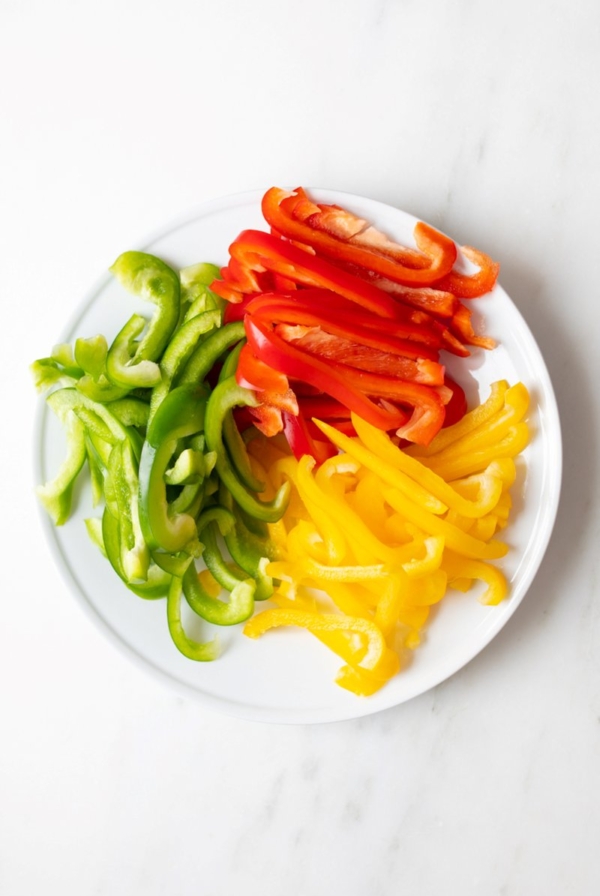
(321,307)
(471,286)
(179,351)
(439,250)
(325,377)
(238,609)
(224,398)
(180,414)
(193,650)
(209,351)
(57,494)
(257,250)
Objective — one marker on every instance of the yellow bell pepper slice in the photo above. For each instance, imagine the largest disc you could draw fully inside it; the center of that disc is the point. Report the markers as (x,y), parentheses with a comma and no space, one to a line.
(512,444)
(459,567)
(361,539)
(393,475)
(494,430)
(470,422)
(386,455)
(455,538)
(323,623)
(434,550)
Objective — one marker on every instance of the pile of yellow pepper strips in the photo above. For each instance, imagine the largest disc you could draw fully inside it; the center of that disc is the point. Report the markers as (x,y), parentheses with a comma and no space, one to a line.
(375,536)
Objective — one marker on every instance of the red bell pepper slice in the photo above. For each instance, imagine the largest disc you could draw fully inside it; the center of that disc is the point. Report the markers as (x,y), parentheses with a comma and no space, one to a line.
(324,408)
(317,341)
(267,419)
(471,286)
(259,251)
(439,248)
(252,373)
(435,301)
(462,327)
(339,317)
(353,387)
(457,406)
(301,440)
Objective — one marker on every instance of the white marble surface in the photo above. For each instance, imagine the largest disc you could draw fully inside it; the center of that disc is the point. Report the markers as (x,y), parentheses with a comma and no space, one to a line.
(482,118)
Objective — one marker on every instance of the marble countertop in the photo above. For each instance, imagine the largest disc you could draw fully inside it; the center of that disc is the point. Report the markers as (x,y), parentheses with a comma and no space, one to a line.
(480,118)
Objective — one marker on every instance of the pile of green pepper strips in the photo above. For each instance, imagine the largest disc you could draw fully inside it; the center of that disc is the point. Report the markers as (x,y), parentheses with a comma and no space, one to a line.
(163,449)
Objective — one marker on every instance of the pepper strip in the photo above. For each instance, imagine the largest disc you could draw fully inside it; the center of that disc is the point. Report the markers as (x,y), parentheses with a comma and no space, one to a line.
(359,535)
(178,352)
(149,278)
(322,622)
(57,494)
(439,248)
(458,467)
(387,460)
(404,479)
(239,608)
(458,568)
(193,650)
(323,376)
(516,404)
(157,582)
(256,250)
(471,421)
(226,396)
(180,414)
(454,537)
(208,352)
(319,307)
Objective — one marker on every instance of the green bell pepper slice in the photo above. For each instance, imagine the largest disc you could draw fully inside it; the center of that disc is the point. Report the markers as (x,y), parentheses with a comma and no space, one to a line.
(122,473)
(224,398)
(251,553)
(90,355)
(196,297)
(149,278)
(178,352)
(239,608)
(122,369)
(60,369)
(57,494)
(181,414)
(158,581)
(209,351)
(193,650)
(231,435)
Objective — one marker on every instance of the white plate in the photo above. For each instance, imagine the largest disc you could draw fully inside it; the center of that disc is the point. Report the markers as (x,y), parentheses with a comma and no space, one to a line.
(287,676)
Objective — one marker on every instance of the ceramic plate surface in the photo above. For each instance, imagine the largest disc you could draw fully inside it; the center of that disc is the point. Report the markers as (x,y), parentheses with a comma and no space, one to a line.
(288,676)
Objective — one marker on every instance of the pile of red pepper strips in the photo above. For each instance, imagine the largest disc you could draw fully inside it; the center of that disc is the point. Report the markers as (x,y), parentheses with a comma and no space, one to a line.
(340,319)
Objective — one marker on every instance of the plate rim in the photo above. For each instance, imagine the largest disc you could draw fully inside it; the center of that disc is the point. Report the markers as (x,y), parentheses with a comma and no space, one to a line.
(238,709)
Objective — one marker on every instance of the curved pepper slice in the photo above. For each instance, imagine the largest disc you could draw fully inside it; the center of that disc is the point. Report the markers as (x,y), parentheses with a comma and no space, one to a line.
(470,422)
(149,278)
(180,414)
(471,286)
(323,376)
(223,399)
(193,650)
(462,568)
(57,494)
(157,581)
(388,461)
(320,307)
(239,608)
(179,351)
(259,251)
(455,538)
(209,351)
(440,251)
